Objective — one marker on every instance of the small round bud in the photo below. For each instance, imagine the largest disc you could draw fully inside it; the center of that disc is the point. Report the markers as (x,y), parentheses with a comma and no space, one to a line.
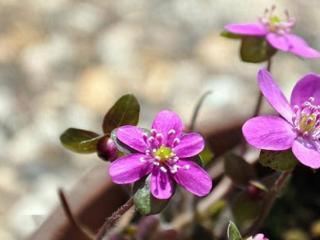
(107,149)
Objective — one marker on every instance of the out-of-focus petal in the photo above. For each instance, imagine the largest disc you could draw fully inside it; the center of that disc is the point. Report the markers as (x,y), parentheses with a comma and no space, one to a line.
(193,178)
(308,86)
(190,145)
(278,41)
(299,47)
(129,169)
(132,136)
(269,132)
(247,29)
(274,95)
(306,153)
(161,184)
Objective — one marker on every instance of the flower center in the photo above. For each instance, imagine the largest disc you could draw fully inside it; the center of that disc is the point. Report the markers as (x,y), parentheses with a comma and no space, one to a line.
(163,153)
(306,119)
(275,24)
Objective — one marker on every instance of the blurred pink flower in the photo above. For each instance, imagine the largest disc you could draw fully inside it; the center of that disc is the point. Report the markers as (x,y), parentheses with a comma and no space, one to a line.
(277,32)
(259,236)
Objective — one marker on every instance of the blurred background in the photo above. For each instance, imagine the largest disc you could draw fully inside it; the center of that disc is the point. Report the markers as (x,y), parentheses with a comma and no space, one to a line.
(63,63)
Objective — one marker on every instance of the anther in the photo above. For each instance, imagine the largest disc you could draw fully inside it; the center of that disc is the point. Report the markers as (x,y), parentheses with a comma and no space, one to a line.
(186,167)
(163,169)
(171,132)
(176,141)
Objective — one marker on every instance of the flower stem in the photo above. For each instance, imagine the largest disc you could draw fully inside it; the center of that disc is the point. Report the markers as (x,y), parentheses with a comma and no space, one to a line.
(269,201)
(197,109)
(66,208)
(260,97)
(111,221)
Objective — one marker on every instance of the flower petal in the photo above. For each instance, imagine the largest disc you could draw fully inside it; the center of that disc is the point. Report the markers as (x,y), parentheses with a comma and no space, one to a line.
(190,145)
(306,154)
(308,86)
(247,29)
(161,184)
(193,178)
(278,41)
(274,95)
(165,121)
(129,169)
(269,132)
(132,136)
(299,47)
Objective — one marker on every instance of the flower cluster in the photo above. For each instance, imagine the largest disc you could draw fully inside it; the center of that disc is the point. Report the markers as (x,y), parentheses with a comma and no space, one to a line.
(166,153)
(297,127)
(277,32)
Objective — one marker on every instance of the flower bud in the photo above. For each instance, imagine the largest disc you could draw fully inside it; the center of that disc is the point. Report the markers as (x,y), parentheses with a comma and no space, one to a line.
(256,190)
(107,149)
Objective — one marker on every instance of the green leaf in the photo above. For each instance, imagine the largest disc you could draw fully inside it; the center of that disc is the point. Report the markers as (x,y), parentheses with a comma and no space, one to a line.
(278,160)
(79,140)
(124,112)
(233,232)
(255,50)
(240,171)
(230,35)
(206,155)
(145,203)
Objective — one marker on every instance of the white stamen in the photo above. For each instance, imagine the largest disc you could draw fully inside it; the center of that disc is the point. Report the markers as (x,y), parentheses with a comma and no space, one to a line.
(186,167)
(163,169)
(171,132)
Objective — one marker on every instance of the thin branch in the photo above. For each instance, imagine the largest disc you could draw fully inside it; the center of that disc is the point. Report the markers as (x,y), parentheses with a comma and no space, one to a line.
(73,221)
(269,201)
(197,109)
(111,221)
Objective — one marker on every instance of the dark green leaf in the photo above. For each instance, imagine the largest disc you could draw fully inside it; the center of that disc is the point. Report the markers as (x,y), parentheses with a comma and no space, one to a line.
(230,35)
(79,140)
(278,160)
(238,169)
(233,232)
(124,112)
(145,203)
(255,50)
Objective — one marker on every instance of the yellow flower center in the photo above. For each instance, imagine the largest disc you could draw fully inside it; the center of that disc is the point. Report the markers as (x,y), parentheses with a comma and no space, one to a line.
(307,122)
(163,153)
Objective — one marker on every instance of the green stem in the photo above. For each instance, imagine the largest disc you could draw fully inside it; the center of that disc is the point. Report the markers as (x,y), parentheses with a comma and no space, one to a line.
(258,106)
(197,109)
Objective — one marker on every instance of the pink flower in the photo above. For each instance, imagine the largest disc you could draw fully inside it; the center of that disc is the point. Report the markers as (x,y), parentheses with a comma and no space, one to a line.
(277,32)
(259,236)
(299,125)
(166,153)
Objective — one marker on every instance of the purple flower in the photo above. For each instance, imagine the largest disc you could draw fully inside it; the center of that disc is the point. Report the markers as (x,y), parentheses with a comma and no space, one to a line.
(259,236)
(166,153)
(277,32)
(299,125)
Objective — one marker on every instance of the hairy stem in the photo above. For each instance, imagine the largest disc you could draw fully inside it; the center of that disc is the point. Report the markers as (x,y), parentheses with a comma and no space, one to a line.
(260,97)
(111,221)
(269,201)
(73,221)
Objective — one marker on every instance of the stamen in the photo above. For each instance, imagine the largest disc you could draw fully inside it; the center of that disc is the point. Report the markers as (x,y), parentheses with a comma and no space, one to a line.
(142,160)
(159,137)
(163,169)
(176,141)
(156,163)
(171,132)
(186,167)
(153,132)
(145,137)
